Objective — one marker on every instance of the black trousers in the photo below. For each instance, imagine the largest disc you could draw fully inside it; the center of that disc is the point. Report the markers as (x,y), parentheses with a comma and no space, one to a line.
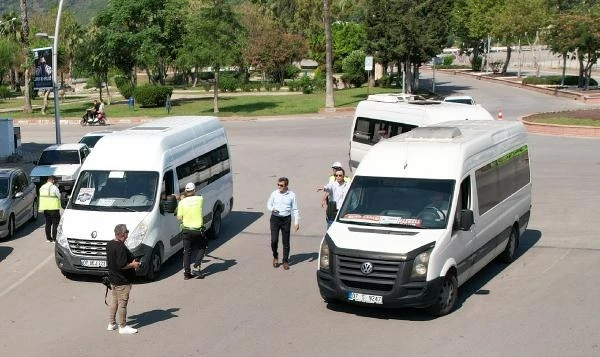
(52,219)
(282,224)
(190,239)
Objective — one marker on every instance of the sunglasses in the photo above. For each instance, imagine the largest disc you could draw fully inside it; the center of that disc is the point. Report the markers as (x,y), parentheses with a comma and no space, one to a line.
(280,185)
(336,175)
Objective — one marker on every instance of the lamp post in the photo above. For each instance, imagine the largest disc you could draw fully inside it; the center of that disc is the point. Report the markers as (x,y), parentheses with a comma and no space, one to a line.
(55,69)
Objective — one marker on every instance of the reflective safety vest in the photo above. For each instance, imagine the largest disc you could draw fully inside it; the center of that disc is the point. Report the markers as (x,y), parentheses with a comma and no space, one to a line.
(48,200)
(190,210)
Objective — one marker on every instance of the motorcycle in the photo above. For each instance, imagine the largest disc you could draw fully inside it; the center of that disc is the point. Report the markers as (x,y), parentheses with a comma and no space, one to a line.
(90,119)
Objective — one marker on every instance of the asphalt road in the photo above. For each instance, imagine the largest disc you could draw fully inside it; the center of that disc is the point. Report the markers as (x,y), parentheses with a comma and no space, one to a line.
(544,304)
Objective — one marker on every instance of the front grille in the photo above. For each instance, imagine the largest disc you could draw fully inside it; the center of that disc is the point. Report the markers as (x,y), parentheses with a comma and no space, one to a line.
(86,247)
(384,276)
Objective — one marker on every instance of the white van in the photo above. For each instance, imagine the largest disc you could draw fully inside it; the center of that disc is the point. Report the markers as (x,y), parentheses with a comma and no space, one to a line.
(382,116)
(425,211)
(132,177)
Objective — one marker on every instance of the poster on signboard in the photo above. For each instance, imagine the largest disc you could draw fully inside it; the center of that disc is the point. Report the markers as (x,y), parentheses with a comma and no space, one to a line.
(42,76)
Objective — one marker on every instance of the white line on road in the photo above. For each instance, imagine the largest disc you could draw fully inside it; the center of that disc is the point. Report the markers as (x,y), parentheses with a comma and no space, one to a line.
(20,281)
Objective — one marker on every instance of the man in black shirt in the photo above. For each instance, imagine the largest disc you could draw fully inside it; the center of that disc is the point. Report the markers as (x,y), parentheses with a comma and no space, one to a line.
(121,271)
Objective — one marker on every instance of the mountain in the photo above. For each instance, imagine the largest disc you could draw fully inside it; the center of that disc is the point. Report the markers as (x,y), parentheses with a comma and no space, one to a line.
(84,10)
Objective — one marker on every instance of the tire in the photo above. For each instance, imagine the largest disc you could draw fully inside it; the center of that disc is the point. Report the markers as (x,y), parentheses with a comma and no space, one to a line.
(34,214)
(509,253)
(102,122)
(446,296)
(11,226)
(83,122)
(155,264)
(215,227)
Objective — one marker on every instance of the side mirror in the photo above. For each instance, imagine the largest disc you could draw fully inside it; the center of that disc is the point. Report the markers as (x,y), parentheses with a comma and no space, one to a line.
(18,194)
(169,205)
(465,220)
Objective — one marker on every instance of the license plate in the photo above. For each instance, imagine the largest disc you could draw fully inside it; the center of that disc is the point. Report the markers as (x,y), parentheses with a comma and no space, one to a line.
(368,299)
(93,263)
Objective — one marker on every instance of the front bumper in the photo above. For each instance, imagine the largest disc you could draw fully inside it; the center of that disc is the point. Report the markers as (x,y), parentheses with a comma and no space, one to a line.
(72,264)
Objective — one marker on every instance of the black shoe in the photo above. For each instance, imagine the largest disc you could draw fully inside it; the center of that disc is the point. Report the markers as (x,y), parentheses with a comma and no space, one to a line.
(187,276)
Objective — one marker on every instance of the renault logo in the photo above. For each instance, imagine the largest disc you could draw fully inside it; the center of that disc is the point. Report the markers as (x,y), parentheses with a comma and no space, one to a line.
(94,234)
(366,268)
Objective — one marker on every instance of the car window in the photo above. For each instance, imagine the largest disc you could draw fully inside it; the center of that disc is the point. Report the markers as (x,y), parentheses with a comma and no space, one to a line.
(57,157)
(3,187)
(22,181)
(83,153)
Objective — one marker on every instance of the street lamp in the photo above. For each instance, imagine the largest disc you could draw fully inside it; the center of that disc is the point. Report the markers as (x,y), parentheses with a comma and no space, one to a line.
(55,69)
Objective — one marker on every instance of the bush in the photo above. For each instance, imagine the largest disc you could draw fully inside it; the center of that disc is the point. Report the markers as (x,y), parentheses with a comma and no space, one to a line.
(447,60)
(92,82)
(152,95)
(291,71)
(228,83)
(354,71)
(496,65)
(555,80)
(124,86)
(476,63)
(4,92)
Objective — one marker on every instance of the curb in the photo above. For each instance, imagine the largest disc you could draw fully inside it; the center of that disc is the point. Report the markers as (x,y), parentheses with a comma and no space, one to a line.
(561,130)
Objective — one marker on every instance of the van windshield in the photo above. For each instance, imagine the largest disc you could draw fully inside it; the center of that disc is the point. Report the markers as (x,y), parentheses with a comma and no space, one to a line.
(115,190)
(398,202)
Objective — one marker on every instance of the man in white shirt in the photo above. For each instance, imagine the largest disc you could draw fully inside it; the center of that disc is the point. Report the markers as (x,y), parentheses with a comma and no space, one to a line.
(335,192)
(282,204)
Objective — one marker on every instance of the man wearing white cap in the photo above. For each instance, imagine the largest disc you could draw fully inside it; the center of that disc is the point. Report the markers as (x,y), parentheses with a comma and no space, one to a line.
(189,213)
(335,167)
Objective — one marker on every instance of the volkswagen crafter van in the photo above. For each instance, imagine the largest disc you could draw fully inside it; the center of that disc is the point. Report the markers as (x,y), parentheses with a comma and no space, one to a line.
(425,211)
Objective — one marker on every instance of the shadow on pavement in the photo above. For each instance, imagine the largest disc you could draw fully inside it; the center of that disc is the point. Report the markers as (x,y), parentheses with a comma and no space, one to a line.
(304,257)
(150,317)
(5,252)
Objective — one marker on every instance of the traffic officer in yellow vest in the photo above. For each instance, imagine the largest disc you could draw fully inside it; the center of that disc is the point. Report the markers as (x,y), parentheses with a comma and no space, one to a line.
(50,206)
(189,213)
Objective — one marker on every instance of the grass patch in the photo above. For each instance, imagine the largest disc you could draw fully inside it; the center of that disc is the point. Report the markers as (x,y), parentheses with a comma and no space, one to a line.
(589,117)
(229,105)
(568,121)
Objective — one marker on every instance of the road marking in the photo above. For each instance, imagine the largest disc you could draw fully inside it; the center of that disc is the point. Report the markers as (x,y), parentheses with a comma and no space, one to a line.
(20,281)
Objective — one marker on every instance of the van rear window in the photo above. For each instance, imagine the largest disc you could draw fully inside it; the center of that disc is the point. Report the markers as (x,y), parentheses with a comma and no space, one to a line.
(370,131)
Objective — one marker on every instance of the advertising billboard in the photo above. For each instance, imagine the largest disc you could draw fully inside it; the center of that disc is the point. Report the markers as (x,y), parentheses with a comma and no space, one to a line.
(42,76)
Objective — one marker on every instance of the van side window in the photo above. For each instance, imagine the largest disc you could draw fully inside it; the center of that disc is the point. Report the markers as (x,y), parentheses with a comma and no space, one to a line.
(166,188)
(512,168)
(371,131)
(204,169)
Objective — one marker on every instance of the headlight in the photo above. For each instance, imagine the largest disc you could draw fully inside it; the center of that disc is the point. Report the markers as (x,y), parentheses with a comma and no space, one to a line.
(62,240)
(420,265)
(137,236)
(324,255)
(2,213)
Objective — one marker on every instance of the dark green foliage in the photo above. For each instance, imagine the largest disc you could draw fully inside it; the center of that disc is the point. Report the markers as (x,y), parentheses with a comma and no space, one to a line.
(447,60)
(354,69)
(151,95)
(124,86)
(4,92)
(555,80)
(228,83)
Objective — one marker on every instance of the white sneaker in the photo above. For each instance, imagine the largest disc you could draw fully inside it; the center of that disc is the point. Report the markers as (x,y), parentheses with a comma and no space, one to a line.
(111,327)
(127,330)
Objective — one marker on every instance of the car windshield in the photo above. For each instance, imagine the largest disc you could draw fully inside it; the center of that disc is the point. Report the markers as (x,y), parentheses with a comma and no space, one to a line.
(59,157)
(115,190)
(398,202)
(3,187)
(91,140)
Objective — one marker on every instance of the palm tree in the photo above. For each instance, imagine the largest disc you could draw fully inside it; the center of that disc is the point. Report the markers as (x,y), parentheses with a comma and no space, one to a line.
(329,100)
(25,42)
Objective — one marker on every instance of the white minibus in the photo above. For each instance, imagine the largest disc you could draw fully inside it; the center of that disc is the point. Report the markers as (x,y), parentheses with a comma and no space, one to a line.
(132,177)
(382,116)
(425,211)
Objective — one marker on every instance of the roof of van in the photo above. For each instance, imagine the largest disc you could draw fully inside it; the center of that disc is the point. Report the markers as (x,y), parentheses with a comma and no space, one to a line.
(395,108)
(142,146)
(442,150)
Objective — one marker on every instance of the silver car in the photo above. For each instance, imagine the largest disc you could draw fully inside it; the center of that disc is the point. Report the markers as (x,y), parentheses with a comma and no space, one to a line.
(18,201)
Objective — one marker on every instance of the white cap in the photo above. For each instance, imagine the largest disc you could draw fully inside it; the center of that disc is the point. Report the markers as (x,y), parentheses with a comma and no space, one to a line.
(190,186)
(336,164)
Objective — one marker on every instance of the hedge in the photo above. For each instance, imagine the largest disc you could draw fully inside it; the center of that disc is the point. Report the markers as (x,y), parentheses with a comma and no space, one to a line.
(555,80)
(151,95)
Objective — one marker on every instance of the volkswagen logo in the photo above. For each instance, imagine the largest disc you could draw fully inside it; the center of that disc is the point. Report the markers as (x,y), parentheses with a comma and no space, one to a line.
(366,268)
(94,234)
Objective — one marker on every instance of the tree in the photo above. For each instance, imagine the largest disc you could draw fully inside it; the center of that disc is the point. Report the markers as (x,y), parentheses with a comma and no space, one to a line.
(214,38)
(25,51)
(268,47)
(329,99)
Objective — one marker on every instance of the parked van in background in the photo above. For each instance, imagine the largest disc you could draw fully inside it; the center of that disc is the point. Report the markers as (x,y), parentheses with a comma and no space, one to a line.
(132,177)
(382,116)
(457,195)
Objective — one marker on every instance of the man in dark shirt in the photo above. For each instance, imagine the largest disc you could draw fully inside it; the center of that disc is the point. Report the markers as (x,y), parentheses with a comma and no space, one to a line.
(121,271)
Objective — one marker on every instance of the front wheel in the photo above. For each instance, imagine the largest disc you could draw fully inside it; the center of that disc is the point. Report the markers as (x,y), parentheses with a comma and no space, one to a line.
(155,264)
(11,226)
(83,122)
(509,253)
(34,208)
(446,296)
